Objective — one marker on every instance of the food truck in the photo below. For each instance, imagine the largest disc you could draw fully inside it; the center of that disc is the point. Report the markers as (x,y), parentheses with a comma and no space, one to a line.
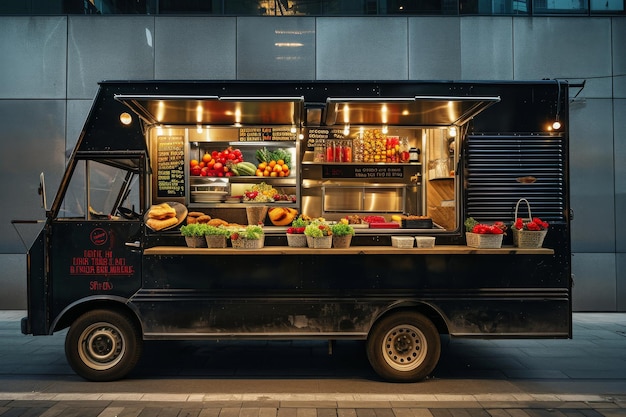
(397,160)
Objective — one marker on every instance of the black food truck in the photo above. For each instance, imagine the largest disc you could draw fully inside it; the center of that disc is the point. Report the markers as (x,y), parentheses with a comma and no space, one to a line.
(402,162)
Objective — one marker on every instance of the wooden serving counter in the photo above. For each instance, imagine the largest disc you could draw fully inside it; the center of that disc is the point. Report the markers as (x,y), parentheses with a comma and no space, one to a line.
(353,250)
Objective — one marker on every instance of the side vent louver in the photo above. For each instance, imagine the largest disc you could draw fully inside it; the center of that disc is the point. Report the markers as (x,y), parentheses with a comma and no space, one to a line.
(502,169)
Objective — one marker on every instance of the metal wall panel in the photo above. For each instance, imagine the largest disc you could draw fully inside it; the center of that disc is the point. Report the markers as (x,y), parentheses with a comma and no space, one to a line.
(592,176)
(77,111)
(620,272)
(275,48)
(594,282)
(108,48)
(34,52)
(434,48)
(619,56)
(13,279)
(195,48)
(619,130)
(572,48)
(487,48)
(34,131)
(361,48)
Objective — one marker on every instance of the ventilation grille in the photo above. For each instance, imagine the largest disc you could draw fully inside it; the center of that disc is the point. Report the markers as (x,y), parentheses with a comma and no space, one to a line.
(495,165)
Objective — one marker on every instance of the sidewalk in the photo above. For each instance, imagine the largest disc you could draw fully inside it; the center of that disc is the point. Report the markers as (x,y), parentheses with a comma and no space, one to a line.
(582,377)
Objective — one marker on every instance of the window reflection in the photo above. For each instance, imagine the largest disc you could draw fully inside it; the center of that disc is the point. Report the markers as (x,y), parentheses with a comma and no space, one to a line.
(314,7)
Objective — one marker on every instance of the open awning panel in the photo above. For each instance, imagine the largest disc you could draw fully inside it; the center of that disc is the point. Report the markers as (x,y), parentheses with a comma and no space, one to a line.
(213,110)
(405,111)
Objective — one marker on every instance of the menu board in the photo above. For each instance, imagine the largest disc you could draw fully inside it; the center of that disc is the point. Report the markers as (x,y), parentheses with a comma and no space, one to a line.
(319,136)
(257,134)
(362,171)
(170,166)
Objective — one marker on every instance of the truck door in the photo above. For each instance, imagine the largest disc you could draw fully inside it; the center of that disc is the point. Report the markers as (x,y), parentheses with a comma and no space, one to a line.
(95,238)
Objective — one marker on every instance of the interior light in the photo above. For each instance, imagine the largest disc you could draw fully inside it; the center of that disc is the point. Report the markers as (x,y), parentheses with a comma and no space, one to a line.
(199,113)
(293,129)
(199,128)
(385,129)
(556,125)
(346,129)
(126,118)
(452,131)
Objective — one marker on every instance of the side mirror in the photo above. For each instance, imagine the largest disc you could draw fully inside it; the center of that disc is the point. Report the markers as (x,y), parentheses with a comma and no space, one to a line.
(42,191)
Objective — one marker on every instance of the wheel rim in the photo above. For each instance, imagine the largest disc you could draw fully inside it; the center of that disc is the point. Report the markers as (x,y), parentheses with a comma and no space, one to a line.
(101,346)
(404,347)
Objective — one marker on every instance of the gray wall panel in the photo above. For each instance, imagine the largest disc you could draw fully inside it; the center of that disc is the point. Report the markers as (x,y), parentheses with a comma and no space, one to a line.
(592,177)
(13,281)
(195,48)
(38,126)
(619,56)
(487,48)
(594,282)
(275,48)
(434,48)
(108,48)
(34,52)
(360,48)
(621,281)
(619,117)
(567,48)
(77,111)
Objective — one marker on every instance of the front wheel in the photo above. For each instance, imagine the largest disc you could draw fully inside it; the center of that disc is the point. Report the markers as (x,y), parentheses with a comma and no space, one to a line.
(103,345)
(403,347)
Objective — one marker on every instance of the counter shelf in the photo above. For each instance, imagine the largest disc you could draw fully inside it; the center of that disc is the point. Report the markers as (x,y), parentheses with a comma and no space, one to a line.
(353,250)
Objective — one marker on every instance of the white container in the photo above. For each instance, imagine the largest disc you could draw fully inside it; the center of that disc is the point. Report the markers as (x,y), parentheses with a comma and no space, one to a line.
(403,242)
(425,241)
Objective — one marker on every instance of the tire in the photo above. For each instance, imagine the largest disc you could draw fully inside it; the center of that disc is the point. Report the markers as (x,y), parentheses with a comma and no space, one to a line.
(103,345)
(403,347)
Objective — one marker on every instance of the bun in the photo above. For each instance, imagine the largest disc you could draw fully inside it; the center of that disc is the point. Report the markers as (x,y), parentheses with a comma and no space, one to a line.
(158,224)
(217,222)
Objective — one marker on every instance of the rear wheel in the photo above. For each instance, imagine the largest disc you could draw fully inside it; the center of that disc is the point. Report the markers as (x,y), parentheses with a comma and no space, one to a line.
(404,347)
(103,345)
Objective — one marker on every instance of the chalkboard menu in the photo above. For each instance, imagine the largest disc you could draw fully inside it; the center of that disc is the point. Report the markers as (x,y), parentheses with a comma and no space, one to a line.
(318,136)
(362,171)
(257,134)
(170,166)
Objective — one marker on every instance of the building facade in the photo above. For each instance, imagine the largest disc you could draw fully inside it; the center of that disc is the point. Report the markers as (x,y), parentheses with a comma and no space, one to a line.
(51,66)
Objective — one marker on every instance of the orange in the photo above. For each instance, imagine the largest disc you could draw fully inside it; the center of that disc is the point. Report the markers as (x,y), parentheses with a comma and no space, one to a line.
(273,174)
(281,173)
(194,162)
(272,163)
(280,162)
(277,168)
(262,165)
(206,158)
(285,168)
(259,173)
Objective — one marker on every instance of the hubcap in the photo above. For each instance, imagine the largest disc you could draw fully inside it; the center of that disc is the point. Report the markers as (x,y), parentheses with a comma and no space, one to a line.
(404,347)
(101,346)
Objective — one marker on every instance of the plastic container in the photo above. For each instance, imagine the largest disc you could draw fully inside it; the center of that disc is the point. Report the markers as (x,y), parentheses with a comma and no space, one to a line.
(403,242)
(425,241)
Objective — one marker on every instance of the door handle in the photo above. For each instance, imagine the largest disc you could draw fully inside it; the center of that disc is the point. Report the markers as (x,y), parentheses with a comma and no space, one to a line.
(135,244)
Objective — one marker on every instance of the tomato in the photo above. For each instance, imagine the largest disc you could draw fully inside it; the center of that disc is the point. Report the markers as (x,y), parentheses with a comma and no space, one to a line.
(218,166)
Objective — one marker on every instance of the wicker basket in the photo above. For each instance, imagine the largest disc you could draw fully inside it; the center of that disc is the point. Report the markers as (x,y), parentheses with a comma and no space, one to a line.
(296,240)
(483,240)
(527,238)
(243,243)
(216,241)
(325,242)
